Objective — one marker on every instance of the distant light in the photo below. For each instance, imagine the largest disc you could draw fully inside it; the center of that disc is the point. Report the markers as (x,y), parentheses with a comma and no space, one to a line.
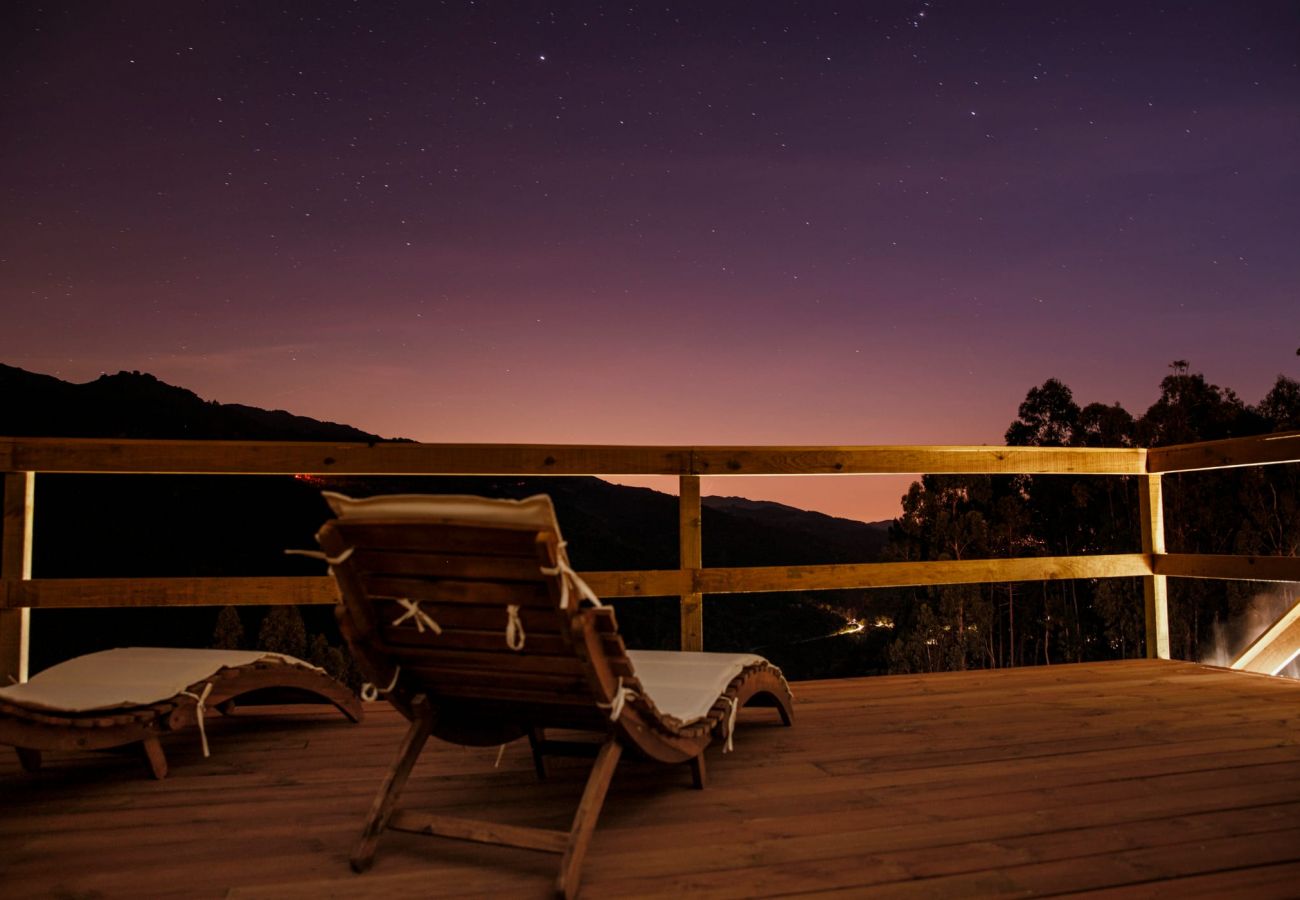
(542,57)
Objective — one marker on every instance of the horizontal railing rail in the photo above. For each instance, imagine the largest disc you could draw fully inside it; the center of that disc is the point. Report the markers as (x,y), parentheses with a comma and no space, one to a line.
(21,458)
(1264,449)
(67,593)
(87,455)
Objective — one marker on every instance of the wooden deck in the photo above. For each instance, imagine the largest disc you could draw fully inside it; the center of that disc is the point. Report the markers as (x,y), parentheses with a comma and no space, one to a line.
(1133,779)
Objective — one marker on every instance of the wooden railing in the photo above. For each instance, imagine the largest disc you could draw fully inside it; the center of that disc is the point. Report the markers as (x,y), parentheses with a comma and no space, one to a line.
(22,458)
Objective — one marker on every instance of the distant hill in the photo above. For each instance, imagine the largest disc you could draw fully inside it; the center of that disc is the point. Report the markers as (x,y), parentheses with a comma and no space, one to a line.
(124,526)
(859,541)
(138,405)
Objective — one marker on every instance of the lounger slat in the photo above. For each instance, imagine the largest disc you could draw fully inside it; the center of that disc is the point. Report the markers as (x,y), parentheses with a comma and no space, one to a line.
(505,663)
(403,640)
(447,565)
(492,639)
(525,593)
(439,674)
(492,617)
(442,538)
(604,620)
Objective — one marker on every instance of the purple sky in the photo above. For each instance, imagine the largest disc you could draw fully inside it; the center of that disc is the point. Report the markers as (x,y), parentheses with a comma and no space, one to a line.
(722,223)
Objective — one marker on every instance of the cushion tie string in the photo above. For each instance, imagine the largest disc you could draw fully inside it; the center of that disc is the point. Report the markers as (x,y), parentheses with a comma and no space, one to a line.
(731,724)
(370,692)
(515,636)
(615,706)
(413,611)
(199,700)
(569,577)
(317,554)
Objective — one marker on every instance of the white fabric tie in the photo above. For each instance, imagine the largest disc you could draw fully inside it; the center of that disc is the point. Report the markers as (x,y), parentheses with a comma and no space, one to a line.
(199,700)
(569,577)
(317,554)
(515,636)
(616,705)
(413,611)
(731,724)
(370,693)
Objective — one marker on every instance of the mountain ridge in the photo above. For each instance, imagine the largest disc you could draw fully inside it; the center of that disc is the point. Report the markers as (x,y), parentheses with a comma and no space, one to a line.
(139,405)
(123,526)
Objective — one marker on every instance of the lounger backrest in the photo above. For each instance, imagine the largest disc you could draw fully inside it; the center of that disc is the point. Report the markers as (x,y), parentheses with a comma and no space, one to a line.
(467,596)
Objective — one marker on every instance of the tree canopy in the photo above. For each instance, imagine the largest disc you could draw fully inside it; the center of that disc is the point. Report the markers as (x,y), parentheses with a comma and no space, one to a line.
(1252,510)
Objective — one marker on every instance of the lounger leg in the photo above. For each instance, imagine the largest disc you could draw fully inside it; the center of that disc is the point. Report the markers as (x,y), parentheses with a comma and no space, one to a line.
(536,737)
(153,756)
(394,781)
(29,759)
(698,777)
(785,715)
(584,822)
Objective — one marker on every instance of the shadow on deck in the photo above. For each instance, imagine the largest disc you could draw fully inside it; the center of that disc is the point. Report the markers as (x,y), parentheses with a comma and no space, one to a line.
(1136,779)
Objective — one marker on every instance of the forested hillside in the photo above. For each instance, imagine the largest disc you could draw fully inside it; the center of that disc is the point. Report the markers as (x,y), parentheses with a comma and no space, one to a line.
(1252,510)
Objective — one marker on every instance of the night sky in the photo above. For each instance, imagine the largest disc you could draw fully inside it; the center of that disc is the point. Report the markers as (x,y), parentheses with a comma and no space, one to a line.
(853,223)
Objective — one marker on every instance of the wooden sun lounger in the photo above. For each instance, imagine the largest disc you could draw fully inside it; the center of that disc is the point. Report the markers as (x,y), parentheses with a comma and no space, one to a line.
(465,615)
(34,728)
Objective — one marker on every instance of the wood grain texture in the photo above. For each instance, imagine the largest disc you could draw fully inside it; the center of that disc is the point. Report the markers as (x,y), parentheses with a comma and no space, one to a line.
(1274,649)
(1132,779)
(62,593)
(936,460)
(647,583)
(323,458)
(16,566)
(1228,567)
(483,832)
(903,574)
(1263,449)
(689,519)
(1155,590)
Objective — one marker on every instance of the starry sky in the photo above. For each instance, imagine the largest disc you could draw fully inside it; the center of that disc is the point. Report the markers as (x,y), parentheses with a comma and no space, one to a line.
(694,223)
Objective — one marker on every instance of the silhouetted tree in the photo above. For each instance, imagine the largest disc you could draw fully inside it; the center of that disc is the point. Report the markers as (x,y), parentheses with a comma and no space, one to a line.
(283,631)
(334,660)
(1048,417)
(228,634)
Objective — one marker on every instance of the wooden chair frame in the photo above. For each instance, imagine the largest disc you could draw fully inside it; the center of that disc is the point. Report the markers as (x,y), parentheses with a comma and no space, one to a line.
(464,684)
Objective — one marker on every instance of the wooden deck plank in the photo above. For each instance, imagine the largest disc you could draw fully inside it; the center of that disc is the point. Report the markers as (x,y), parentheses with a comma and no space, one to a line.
(1276,881)
(1129,779)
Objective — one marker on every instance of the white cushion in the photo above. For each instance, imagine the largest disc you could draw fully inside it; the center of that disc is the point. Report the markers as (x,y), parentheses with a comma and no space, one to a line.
(684,684)
(535,511)
(128,676)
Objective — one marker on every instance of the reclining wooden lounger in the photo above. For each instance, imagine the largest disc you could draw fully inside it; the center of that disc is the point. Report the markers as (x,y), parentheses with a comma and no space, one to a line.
(465,614)
(137,694)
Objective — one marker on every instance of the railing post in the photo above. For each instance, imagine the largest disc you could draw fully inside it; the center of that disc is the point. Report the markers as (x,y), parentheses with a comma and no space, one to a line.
(688,515)
(16,563)
(1154,588)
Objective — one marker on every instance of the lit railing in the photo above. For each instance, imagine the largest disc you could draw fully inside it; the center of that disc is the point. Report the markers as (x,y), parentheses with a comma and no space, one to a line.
(22,458)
